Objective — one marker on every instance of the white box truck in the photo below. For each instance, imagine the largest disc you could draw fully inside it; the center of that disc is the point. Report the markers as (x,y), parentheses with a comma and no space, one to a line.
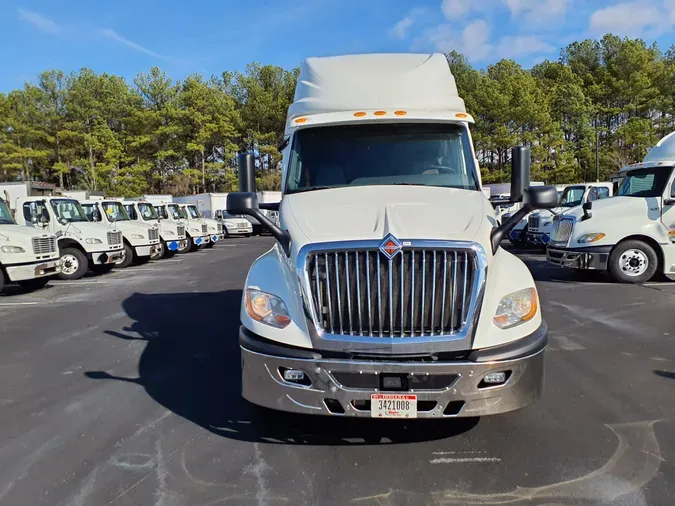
(387,294)
(82,245)
(212,207)
(140,241)
(171,234)
(27,257)
(632,234)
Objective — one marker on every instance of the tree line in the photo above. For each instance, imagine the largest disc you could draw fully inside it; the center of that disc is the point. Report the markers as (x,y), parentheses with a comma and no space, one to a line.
(599,106)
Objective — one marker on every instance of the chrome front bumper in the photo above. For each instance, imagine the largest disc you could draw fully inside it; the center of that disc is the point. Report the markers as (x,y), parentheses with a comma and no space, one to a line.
(33,270)
(343,387)
(582,258)
(107,257)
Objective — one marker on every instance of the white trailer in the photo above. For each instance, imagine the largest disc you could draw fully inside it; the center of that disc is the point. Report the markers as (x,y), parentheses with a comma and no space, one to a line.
(11,191)
(632,234)
(387,294)
(84,195)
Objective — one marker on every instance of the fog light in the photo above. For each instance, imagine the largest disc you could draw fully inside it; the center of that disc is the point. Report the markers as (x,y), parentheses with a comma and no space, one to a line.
(495,378)
(294,375)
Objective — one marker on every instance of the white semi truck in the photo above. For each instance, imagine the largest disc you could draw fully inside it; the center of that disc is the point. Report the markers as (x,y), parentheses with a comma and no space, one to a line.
(140,242)
(211,230)
(82,245)
(211,207)
(387,294)
(171,234)
(632,234)
(27,257)
(540,223)
(196,234)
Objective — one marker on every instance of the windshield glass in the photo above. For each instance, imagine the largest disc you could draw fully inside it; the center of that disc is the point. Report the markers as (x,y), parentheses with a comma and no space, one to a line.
(6,217)
(147,212)
(68,210)
(572,196)
(175,211)
(183,212)
(115,211)
(194,213)
(161,211)
(382,154)
(644,182)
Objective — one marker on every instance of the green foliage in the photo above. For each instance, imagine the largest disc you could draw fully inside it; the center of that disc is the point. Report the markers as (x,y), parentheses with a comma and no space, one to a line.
(96,131)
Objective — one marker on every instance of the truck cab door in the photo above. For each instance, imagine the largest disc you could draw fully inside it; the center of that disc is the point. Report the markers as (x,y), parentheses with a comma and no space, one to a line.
(668,211)
(43,217)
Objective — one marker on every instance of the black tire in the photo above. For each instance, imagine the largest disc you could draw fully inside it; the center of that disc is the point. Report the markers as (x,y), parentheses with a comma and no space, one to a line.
(102,268)
(194,247)
(188,247)
(633,261)
(128,257)
(169,254)
(30,285)
(74,264)
(160,252)
(2,280)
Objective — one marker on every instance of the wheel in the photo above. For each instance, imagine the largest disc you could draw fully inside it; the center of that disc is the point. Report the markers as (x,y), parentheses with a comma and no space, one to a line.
(128,256)
(160,251)
(193,246)
(521,239)
(102,268)
(187,245)
(73,264)
(169,254)
(30,285)
(2,280)
(633,262)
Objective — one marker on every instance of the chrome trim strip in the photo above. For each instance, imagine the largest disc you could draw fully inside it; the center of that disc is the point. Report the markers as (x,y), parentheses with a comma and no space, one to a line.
(337,285)
(370,312)
(454,290)
(412,295)
(445,277)
(379,297)
(330,307)
(433,295)
(424,276)
(391,299)
(349,298)
(358,292)
(402,295)
(422,344)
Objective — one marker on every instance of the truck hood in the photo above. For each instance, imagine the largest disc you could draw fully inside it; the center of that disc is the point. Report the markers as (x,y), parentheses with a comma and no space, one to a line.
(371,212)
(21,233)
(130,227)
(90,229)
(620,205)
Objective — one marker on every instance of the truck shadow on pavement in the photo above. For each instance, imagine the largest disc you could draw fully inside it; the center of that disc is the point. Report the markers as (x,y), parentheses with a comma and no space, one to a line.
(191,366)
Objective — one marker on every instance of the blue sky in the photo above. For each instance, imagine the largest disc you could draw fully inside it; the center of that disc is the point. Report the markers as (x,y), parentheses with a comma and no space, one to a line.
(125,37)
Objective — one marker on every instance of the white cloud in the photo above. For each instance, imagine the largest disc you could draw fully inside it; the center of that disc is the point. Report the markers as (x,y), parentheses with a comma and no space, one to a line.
(111,34)
(40,22)
(474,42)
(401,29)
(634,19)
(455,9)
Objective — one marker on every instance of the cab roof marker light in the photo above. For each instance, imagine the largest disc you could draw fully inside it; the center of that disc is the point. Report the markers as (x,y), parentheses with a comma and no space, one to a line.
(380,113)
(461,115)
(400,113)
(300,120)
(359,114)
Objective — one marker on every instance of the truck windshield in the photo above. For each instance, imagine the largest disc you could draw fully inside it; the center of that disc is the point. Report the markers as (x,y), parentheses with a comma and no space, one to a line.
(147,212)
(175,211)
(572,196)
(5,215)
(644,182)
(381,154)
(67,210)
(194,213)
(115,211)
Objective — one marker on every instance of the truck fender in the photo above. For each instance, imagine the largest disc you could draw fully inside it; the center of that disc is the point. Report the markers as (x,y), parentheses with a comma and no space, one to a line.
(508,274)
(271,273)
(66,242)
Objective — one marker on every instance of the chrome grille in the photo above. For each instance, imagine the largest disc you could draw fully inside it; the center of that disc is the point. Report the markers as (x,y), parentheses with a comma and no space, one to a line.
(420,292)
(180,230)
(114,238)
(44,245)
(153,234)
(562,230)
(204,229)
(533,222)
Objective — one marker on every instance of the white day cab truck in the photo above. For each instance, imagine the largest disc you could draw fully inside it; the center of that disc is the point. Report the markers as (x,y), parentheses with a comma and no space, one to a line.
(214,227)
(196,227)
(211,206)
(140,241)
(27,257)
(171,234)
(540,223)
(387,294)
(632,234)
(172,213)
(82,245)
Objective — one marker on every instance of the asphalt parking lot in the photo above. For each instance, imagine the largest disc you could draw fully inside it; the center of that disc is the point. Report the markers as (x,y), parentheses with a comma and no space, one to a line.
(124,389)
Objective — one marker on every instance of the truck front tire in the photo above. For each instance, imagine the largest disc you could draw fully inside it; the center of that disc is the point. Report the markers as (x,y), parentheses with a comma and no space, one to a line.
(128,256)
(633,261)
(74,264)
(30,285)
(160,252)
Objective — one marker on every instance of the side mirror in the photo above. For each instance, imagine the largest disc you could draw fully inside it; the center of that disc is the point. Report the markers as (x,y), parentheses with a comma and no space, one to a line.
(520,172)
(44,221)
(587,206)
(95,214)
(247,203)
(33,212)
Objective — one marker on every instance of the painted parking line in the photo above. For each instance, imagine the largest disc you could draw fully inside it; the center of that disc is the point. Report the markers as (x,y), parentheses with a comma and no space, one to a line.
(8,304)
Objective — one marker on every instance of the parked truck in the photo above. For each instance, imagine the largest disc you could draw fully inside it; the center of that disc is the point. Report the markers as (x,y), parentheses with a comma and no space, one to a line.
(140,242)
(211,206)
(82,245)
(27,257)
(632,234)
(387,294)
(212,231)
(196,234)
(171,234)
(540,223)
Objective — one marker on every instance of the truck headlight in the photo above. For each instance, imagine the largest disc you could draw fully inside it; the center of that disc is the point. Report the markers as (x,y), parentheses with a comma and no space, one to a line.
(590,237)
(169,232)
(12,249)
(93,240)
(137,236)
(266,308)
(196,230)
(546,224)
(516,308)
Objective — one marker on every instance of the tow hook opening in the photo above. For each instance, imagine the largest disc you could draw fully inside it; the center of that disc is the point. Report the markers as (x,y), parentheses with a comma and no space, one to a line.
(334,406)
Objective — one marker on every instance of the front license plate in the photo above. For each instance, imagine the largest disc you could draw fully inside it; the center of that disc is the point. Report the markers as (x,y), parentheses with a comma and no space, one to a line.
(393,406)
